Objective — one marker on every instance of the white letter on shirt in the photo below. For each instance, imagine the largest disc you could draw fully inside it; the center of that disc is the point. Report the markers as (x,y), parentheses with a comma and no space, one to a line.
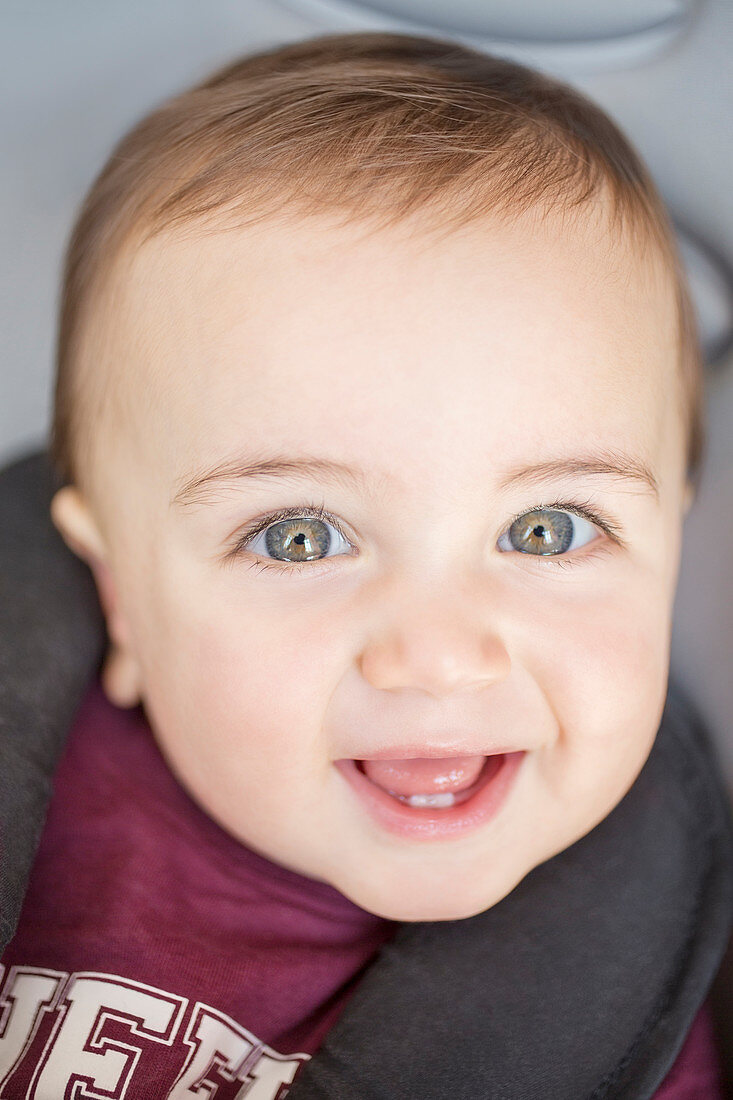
(89,1001)
(29,992)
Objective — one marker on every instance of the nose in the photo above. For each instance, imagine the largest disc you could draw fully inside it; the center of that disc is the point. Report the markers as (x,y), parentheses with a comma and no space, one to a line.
(440,651)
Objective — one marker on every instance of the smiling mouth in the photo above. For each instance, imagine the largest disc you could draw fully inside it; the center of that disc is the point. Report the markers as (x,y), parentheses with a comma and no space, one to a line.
(441,800)
(481,785)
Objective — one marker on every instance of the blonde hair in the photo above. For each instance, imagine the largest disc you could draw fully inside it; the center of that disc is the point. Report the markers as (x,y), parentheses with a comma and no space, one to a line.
(378,126)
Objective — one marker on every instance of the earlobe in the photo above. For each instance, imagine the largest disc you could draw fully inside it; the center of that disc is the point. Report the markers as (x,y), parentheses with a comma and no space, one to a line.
(120,678)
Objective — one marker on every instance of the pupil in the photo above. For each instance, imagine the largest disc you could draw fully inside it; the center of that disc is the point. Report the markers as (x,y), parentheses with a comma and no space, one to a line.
(300,539)
(538,531)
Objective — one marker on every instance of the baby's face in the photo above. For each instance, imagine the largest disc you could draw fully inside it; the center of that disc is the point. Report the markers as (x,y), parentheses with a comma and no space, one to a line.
(478,388)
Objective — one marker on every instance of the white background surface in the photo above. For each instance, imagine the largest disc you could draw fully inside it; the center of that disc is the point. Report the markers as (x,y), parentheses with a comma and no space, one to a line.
(75,75)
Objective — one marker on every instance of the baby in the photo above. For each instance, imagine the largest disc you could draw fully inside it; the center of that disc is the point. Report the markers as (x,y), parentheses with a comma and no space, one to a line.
(378,413)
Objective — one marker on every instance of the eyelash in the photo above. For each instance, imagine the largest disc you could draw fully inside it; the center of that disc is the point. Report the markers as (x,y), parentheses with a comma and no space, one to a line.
(317,511)
(311,511)
(582,508)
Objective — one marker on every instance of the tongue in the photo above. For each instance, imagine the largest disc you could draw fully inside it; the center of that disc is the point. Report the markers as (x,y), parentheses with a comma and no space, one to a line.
(423,776)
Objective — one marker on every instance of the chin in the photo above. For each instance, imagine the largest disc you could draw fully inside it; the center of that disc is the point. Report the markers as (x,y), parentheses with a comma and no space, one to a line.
(414,905)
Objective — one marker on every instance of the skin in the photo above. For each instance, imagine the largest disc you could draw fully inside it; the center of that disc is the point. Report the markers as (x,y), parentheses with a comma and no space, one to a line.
(434,363)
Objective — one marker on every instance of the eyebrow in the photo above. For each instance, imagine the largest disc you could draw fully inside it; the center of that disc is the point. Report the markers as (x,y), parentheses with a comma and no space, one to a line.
(202,487)
(607,464)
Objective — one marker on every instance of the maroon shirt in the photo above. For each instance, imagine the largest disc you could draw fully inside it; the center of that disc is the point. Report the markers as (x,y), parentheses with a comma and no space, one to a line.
(156,955)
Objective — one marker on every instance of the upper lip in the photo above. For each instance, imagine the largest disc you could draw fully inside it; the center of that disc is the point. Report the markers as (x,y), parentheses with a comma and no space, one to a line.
(410,752)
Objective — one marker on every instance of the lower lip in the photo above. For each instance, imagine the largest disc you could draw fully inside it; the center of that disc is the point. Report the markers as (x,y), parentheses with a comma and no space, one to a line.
(427,823)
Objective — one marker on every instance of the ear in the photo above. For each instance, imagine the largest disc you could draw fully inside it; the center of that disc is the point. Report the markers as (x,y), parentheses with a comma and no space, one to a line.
(71,515)
(688,499)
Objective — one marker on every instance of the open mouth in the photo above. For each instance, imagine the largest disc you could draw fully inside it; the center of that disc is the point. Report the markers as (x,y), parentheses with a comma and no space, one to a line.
(444,799)
(436,814)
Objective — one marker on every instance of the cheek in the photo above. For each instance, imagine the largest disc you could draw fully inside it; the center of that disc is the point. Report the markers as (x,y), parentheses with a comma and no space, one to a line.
(606,679)
(255,682)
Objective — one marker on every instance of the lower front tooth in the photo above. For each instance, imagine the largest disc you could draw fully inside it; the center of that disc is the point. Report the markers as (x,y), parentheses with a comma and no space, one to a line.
(438,800)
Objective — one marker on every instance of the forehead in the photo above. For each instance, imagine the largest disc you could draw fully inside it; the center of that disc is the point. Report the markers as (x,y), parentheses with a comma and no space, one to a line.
(502,337)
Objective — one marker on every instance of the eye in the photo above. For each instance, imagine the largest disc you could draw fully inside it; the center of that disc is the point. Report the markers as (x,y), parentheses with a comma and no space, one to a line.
(547,531)
(292,537)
